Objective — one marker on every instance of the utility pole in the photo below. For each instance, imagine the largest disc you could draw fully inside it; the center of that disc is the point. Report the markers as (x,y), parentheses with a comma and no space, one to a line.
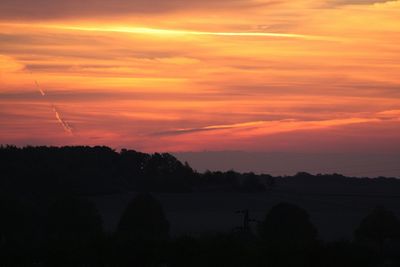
(245,228)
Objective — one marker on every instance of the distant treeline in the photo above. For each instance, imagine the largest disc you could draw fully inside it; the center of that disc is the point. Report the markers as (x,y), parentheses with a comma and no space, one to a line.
(101,170)
(83,170)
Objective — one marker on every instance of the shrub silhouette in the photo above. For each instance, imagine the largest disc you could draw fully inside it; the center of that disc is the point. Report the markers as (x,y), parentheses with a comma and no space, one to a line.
(287,225)
(143,219)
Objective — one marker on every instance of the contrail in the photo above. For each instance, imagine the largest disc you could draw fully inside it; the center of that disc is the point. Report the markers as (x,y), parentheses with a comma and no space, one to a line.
(64,123)
(67,128)
(40,89)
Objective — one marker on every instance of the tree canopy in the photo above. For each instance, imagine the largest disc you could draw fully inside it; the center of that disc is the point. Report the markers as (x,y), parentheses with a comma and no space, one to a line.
(143,219)
(288,225)
(377,227)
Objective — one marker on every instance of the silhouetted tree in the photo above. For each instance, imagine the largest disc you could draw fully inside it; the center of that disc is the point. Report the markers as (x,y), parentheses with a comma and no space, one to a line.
(288,238)
(287,225)
(132,167)
(164,173)
(142,233)
(379,226)
(143,219)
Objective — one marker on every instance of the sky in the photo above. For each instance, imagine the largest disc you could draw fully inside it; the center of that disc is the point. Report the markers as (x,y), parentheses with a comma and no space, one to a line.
(304,76)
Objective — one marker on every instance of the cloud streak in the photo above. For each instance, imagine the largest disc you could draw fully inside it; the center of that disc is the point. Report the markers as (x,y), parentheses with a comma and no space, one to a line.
(287,125)
(167,32)
(269,127)
(210,128)
(174,32)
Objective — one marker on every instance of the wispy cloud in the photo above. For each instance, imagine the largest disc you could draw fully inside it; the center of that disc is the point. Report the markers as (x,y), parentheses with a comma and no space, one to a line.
(287,125)
(211,128)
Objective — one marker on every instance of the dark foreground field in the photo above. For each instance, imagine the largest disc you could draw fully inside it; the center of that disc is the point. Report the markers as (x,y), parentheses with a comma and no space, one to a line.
(336,216)
(82,206)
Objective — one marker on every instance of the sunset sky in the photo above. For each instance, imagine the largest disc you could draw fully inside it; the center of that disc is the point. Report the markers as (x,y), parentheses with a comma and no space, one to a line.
(185,75)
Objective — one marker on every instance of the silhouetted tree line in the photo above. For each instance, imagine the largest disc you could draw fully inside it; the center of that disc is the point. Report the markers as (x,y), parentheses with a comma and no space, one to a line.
(83,170)
(101,170)
(68,232)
